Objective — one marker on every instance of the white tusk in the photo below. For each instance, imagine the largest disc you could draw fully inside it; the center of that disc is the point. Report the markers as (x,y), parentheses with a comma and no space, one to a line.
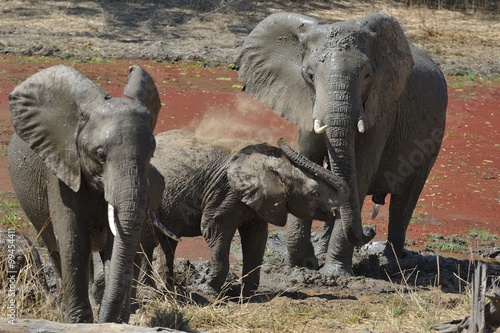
(318,128)
(361,126)
(375,211)
(160,226)
(111,219)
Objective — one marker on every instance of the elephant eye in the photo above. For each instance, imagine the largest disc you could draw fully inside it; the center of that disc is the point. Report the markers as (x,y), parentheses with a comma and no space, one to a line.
(308,75)
(315,194)
(101,154)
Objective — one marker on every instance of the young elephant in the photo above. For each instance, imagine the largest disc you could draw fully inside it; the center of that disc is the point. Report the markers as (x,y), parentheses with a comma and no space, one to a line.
(213,188)
(79,161)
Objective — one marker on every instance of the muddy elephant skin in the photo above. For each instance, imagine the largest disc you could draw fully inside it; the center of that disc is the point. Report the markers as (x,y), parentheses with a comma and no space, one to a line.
(215,187)
(365,99)
(78,158)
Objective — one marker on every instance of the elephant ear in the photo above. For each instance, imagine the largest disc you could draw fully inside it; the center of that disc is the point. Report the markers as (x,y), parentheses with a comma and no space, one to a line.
(142,88)
(156,186)
(46,110)
(393,64)
(270,66)
(253,175)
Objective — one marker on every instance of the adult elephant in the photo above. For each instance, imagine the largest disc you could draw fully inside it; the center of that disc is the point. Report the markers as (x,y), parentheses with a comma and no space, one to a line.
(77,151)
(361,95)
(215,187)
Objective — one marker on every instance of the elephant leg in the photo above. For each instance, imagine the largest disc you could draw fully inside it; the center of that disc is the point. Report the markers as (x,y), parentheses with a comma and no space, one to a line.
(338,261)
(131,302)
(56,261)
(169,246)
(253,243)
(96,278)
(144,269)
(218,233)
(74,251)
(298,240)
(400,212)
(324,239)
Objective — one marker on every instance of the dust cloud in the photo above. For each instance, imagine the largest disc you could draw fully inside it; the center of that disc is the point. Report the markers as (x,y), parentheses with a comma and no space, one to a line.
(247,120)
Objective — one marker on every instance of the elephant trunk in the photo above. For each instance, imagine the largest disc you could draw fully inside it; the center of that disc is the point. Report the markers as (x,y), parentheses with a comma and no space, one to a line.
(340,144)
(130,203)
(330,178)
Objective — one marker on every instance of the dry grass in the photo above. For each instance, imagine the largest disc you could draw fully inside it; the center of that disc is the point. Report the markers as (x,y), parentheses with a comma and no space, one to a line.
(25,286)
(454,32)
(407,309)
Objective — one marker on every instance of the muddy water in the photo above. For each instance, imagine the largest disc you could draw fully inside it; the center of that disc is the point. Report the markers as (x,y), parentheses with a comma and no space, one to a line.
(462,193)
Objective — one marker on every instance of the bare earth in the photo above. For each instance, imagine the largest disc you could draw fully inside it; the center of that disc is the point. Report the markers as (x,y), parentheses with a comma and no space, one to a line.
(463,41)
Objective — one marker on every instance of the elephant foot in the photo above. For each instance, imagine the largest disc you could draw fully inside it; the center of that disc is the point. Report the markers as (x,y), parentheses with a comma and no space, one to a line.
(238,290)
(307,262)
(336,268)
(206,288)
(83,315)
(302,255)
(393,252)
(249,289)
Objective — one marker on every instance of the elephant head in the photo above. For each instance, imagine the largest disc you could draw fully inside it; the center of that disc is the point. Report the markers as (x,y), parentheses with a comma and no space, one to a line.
(337,79)
(98,144)
(275,181)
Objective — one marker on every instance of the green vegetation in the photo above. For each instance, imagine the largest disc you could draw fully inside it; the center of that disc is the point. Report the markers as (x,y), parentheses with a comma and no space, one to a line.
(11,214)
(451,243)
(95,60)
(3,149)
(460,244)
(483,235)
(462,80)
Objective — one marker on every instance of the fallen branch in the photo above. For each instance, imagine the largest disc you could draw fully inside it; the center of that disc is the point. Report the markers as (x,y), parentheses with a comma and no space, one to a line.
(46,326)
(484,317)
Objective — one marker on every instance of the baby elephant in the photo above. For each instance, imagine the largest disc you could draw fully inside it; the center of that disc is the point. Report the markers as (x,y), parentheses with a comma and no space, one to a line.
(214,187)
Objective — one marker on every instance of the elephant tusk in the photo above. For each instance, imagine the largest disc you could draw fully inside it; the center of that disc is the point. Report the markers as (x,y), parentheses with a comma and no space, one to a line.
(375,211)
(159,225)
(318,128)
(111,219)
(361,126)
(336,213)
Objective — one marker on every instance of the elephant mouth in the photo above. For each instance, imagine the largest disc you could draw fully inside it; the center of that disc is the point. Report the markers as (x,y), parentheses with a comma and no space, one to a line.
(323,214)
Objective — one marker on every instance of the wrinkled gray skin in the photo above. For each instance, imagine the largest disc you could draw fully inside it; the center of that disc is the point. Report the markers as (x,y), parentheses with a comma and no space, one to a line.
(101,261)
(215,187)
(379,105)
(75,150)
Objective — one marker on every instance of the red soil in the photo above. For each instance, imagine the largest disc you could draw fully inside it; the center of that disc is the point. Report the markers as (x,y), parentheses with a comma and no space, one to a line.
(461,194)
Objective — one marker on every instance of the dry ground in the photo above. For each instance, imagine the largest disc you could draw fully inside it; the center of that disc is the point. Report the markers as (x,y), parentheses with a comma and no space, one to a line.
(463,38)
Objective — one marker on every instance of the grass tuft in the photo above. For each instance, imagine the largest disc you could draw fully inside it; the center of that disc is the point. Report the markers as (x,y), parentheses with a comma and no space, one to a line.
(24,289)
